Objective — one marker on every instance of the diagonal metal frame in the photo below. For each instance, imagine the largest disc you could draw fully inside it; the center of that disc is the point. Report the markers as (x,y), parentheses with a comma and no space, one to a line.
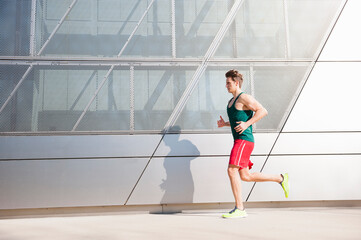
(38,54)
(112,67)
(202,67)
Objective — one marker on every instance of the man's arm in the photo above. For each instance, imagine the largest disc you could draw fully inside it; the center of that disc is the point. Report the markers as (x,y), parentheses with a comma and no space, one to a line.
(252,104)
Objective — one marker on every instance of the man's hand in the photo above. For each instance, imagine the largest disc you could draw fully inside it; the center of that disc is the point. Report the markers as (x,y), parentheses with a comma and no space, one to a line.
(241,127)
(221,122)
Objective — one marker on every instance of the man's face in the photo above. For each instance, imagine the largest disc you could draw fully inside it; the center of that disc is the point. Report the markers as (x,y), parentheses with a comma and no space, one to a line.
(231,85)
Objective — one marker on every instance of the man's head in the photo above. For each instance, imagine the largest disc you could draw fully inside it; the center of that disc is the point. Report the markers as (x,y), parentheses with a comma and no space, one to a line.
(233,80)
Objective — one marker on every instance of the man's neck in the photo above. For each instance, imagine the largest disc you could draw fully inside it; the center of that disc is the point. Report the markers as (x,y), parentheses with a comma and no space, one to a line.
(237,92)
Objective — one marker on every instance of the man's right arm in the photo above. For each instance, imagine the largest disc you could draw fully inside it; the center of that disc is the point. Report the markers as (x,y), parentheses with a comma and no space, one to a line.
(222,123)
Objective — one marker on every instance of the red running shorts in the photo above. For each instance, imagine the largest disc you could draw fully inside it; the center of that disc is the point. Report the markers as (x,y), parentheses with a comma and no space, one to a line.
(241,153)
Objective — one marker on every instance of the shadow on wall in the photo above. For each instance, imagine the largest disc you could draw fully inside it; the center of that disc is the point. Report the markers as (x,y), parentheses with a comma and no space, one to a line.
(178,186)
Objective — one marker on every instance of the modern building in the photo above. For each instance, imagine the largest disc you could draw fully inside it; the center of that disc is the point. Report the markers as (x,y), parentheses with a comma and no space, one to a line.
(115,103)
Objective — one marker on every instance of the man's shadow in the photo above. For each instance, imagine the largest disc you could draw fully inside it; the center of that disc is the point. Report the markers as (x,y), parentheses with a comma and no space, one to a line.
(178,186)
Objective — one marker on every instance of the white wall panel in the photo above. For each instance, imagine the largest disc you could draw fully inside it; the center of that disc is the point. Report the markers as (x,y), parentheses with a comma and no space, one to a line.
(209,144)
(330,99)
(67,183)
(313,178)
(211,181)
(344,43)
(318,143)
(188,180)
(264,142)
(34,147)
(165,181)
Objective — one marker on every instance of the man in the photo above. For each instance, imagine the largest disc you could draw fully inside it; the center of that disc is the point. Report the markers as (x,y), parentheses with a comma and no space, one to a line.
(240,111)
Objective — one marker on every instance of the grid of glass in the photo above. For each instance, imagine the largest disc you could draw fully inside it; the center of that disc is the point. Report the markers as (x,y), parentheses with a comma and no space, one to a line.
(145,66)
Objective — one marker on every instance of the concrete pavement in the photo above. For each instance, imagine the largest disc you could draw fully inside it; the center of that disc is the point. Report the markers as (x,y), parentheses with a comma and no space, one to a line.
(262,223)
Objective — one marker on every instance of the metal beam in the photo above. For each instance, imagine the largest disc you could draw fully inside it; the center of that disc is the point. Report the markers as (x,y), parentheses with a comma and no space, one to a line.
(131,86)
(287,30)
(117,60)
(172,63)
(174,52)
(200,70)
(233,35)
(112,67)
(251,78)
(32,28)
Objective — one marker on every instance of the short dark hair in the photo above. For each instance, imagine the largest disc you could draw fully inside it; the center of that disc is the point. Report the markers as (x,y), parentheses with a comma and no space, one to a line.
(235,75)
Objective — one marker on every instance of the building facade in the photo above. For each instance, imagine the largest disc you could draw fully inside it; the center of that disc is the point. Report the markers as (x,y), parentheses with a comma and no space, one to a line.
(112,102)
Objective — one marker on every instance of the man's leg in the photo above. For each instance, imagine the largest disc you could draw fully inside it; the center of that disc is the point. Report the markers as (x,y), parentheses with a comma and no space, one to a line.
(259,177)
(235,179)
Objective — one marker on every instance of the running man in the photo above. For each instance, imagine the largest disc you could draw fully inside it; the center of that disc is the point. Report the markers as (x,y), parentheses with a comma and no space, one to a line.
(240,113)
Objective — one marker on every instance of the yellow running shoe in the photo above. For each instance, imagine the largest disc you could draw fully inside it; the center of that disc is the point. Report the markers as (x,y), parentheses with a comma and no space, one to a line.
(285,184)
(235,213)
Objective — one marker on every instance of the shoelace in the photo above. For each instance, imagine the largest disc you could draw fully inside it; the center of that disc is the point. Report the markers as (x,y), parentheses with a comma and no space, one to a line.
(232,211)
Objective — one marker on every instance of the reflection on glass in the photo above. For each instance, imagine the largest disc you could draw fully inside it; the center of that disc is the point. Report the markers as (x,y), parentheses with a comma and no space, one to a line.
(53,96)
(273,86)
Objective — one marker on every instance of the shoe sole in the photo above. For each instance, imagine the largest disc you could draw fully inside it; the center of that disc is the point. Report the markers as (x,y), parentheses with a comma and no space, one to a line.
(234,217)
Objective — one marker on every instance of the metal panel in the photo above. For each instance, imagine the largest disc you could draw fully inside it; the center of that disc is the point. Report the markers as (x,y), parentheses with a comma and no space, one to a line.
(264,142)
(344,43)
(38,147)
(327,102)
(209,144)
(67,183)
(313,178)
(187,180)
(211,182)
(318,143)
(159,185)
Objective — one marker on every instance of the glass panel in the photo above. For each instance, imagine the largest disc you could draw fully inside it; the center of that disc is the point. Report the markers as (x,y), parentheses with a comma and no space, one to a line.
(110,109)
(55,93)
(207,102)
(197,23)
(154,36)
(102,28)
(309,26)
(157,91)
(14,27)
(63,94)
(16,116)
(259,30)
(273,86)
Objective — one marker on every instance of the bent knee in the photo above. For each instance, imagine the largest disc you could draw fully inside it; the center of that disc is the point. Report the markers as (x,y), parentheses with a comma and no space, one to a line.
(246,177)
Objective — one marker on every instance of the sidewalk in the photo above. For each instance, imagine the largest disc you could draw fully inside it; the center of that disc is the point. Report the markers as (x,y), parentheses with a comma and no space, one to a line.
(262,223)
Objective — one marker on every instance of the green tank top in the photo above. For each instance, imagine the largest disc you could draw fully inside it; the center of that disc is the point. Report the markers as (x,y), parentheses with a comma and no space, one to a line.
(235,116)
